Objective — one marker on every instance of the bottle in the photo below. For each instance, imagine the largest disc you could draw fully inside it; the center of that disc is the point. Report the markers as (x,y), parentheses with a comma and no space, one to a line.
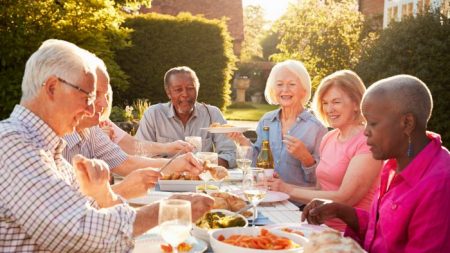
(265,158)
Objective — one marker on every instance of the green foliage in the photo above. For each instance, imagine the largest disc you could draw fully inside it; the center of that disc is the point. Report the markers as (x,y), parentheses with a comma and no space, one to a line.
(269,44)
(24,25)
(161,42)
(117,114)
(421,47)
(140,106)
(325,37)
(253,30)
(248,111)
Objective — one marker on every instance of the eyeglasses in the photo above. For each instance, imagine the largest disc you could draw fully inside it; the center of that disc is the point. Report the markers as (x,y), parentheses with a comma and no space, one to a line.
(90,95)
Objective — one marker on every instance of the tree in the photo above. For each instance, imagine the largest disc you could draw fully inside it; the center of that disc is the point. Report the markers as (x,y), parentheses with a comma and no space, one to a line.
(91,24)
(253,30)
(420,47)
(324,36)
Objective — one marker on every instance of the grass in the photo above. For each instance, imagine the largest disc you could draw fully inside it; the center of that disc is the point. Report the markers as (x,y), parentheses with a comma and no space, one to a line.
(248,111)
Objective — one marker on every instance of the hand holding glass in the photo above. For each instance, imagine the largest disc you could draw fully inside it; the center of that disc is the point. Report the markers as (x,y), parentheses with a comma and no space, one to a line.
(175,221)
(195,141)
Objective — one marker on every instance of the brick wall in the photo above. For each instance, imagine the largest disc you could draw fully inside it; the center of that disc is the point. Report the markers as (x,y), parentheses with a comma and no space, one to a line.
(212,9)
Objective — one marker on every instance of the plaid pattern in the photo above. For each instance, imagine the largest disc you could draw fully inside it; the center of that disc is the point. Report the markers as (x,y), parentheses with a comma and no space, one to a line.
(93,143)
(41,209)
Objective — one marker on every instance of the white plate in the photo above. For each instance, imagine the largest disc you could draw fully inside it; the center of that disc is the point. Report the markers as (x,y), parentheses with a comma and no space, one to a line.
(182,185)
(152,243)
(152,196)
(306,229)
(224,130)
(271,196)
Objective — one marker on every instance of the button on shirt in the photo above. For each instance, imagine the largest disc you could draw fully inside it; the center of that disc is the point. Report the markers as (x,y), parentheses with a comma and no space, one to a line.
(160,124)
(94,143)
(413,211)
(41,208)
(308,129)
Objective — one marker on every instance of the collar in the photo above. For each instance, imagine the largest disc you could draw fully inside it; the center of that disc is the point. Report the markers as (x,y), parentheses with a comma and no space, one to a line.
(171,110)
(415,170)
(76,137)
(304,115)
(45,134)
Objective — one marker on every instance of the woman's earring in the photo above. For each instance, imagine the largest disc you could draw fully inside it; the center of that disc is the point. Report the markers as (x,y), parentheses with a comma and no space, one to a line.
(409,153)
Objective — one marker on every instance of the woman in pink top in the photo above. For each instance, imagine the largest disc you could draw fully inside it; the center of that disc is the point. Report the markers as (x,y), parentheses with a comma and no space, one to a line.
(411,210)
(346,172)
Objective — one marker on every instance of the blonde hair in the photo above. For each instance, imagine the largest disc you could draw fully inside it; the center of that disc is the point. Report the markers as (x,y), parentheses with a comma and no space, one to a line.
(347,81)
(298,69)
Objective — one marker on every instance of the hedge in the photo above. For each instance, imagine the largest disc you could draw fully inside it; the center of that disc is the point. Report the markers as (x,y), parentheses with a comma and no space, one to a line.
(160,42)
(421,47)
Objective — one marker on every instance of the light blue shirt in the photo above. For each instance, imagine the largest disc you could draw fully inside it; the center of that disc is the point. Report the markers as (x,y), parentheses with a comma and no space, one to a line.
(160,124)
(308,129)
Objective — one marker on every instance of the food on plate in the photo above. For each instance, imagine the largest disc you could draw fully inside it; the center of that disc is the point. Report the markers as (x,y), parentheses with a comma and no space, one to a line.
(217,172)
(265,240)
(182,247)
(180,176)
(217,124)
(331,241)
(230,202)
(290,230)
(217,219)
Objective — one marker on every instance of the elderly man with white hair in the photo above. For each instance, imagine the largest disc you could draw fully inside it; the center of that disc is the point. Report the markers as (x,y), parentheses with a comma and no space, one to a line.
(46,205)
(90,141)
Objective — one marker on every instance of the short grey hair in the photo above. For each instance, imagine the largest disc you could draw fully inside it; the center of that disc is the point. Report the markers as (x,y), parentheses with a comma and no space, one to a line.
(181,70)
(54,58)
(297,68)
(407,94)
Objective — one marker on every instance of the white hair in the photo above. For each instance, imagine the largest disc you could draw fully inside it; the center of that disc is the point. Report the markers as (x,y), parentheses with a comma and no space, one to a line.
(54,58)
(298,69)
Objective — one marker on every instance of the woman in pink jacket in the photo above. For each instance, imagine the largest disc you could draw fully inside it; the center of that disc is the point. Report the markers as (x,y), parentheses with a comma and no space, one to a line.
(410,212)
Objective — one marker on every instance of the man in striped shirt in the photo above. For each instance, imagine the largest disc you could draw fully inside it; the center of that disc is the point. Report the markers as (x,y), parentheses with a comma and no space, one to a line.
(43,208)
(90,141)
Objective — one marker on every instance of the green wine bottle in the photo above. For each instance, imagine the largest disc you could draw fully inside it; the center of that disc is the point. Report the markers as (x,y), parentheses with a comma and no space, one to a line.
(265,158)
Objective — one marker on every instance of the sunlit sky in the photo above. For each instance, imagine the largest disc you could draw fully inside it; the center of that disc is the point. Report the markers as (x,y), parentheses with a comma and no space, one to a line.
(273,9)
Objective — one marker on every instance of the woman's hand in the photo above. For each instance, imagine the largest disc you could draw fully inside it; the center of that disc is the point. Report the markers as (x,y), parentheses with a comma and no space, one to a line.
(278,185)
(297,149)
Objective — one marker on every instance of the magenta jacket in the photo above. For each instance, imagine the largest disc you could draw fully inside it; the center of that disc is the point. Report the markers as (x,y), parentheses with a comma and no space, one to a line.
(414,214)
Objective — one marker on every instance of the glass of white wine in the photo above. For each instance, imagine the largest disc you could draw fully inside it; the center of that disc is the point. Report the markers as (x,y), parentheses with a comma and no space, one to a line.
(254,186)
(244,156)
(175,221)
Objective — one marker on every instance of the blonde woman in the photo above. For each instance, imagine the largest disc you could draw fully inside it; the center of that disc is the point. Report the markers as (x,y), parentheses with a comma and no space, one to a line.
(294,132)
(133,146)
(347,172)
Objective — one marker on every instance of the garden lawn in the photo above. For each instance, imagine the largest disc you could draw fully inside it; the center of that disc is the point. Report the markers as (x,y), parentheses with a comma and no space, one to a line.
(247,111)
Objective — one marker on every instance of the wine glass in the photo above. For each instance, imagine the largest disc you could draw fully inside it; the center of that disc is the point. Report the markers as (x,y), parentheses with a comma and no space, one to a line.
(254,186)
(195,141)
(140,149)
(244,156)
(175,221)
(211,158)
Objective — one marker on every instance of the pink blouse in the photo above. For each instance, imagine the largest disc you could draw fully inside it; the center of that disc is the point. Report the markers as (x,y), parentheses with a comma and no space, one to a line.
(414,214)
(335,156)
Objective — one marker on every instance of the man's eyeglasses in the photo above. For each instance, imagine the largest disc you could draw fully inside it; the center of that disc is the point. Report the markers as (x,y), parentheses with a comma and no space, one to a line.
(90,96)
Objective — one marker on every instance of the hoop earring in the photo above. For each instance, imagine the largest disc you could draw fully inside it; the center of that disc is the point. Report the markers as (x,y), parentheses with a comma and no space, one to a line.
(409,153)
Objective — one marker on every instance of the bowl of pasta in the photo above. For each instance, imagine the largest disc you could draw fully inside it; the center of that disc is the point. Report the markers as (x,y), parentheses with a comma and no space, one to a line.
(254,240)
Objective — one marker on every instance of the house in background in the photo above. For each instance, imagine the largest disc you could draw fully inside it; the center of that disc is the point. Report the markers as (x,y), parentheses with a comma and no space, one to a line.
(211,9)
(394,10)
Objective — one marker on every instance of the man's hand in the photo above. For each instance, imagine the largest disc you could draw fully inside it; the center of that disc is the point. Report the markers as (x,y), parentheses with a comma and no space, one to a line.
(137,183)
(185,163)
(172,148)
(200,203)
(93,178)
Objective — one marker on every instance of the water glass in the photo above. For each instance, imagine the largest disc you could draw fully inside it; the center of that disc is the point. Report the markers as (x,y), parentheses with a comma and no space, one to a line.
(195,141)
(244,156)
(175,221)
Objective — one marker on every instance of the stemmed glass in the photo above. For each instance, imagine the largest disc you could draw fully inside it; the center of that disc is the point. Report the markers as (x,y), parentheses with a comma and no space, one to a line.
(210,158)
(140,150)
(175,221)
(244,156)
(254,186)
(195,141)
